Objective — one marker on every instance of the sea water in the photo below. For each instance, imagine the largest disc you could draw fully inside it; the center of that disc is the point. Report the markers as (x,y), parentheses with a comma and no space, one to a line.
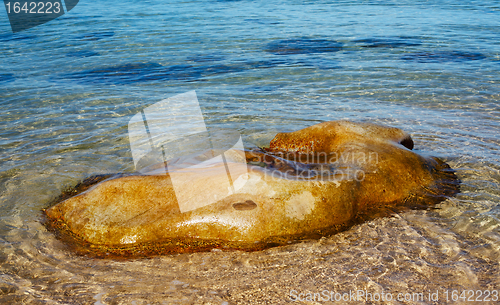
(432,68)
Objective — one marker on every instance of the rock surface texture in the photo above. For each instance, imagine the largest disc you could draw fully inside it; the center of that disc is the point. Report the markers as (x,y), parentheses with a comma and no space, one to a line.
(309,183)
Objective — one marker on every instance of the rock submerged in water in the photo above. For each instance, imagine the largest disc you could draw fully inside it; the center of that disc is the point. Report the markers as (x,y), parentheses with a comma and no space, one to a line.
(309,183)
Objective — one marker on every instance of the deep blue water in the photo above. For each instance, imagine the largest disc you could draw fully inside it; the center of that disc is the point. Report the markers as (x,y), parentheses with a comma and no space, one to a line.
(69,87)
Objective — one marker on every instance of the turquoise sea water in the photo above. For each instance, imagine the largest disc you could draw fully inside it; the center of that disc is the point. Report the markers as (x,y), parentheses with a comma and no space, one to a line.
(69,87)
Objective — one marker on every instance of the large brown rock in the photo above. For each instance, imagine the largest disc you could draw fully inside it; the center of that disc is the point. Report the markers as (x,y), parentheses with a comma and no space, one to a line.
(309,183)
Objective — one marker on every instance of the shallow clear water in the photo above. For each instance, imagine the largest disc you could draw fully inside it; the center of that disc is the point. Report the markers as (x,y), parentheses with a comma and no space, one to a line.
(68,89)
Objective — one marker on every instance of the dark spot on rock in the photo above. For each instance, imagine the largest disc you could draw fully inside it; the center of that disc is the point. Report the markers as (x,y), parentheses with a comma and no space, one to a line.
(407,142)
(244,206)
(388,42)
(443,56)
(303,46)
